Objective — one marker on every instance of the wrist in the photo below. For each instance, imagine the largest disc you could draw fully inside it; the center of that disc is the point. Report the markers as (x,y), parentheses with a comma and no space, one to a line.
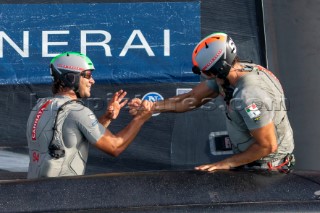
(108,115)
(155,107)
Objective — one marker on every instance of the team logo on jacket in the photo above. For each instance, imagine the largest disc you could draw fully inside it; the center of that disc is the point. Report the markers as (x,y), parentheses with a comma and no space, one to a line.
(153,97)
(93,117)
(253,112)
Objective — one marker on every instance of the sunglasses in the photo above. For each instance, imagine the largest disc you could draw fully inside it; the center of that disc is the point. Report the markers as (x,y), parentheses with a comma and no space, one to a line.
(86,74)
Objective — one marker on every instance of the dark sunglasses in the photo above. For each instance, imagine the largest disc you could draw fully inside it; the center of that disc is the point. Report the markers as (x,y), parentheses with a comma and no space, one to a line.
(86,74)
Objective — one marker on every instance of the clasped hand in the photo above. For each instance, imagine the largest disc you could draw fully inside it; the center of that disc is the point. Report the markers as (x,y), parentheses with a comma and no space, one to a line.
(137,107)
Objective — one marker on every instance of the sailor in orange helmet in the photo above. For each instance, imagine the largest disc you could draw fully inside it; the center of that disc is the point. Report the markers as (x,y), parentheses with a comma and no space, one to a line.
(260,133)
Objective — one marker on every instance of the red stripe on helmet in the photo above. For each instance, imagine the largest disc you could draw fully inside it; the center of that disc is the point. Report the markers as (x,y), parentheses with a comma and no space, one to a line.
(212,60)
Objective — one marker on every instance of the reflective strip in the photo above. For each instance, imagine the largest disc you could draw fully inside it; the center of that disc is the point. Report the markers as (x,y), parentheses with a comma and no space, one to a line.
(212,60)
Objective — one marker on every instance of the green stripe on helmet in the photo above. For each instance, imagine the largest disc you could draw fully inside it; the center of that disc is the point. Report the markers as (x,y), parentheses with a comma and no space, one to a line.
(87,60)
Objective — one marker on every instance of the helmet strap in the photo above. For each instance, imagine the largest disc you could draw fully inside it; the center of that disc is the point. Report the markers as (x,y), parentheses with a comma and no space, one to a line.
(223,73)
(71,81)
(221,69)
(75,85)
(77,92)
(224,70)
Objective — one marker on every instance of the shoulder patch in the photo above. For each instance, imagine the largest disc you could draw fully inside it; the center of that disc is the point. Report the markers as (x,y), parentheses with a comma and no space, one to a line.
(253,112)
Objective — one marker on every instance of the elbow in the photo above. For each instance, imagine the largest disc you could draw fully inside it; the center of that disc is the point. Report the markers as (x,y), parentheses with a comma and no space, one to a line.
(267,150)
(274,148)
(271,149)
(112,146)
(115,151)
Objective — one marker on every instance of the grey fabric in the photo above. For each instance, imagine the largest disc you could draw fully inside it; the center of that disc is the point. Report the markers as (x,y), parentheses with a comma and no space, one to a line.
(258,99)
(80,126)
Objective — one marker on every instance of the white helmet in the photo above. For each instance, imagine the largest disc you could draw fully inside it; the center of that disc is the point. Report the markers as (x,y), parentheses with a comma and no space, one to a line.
(68,67)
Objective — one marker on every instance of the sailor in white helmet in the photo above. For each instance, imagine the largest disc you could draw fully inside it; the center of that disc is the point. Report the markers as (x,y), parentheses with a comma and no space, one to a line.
(256,116)
(60,128)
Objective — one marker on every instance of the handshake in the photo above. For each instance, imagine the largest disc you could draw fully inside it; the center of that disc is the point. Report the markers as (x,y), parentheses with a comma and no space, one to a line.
(141,108)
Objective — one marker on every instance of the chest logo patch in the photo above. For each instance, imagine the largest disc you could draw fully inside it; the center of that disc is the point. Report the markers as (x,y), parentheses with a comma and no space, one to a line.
(253,111)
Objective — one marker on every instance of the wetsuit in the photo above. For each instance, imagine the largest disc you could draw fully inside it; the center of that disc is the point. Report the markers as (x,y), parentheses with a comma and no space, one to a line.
(79,128)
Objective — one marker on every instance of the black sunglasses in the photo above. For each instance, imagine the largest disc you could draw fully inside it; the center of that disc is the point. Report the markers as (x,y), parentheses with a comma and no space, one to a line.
(86,74)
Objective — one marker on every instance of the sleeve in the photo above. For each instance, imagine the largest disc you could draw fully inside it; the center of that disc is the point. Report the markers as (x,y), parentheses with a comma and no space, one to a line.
(256,108)
(89,125)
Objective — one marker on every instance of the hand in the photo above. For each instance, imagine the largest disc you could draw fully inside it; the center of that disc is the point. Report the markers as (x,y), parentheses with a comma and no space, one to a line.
(213,166)
(134,106)
(115,105)
(144,112)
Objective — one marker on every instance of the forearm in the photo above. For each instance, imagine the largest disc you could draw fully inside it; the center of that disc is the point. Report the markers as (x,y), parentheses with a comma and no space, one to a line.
(253,153)
(127,135)
(198,96)
(180,103)
(265,144)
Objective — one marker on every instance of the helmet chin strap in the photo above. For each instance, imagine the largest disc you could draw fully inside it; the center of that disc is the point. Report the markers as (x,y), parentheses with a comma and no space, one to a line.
(76,88)
(77,93)
(74,84)
(224,70)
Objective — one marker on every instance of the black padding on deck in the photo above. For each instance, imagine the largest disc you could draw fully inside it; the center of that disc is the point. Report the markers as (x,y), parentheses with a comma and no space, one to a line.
(165,191)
